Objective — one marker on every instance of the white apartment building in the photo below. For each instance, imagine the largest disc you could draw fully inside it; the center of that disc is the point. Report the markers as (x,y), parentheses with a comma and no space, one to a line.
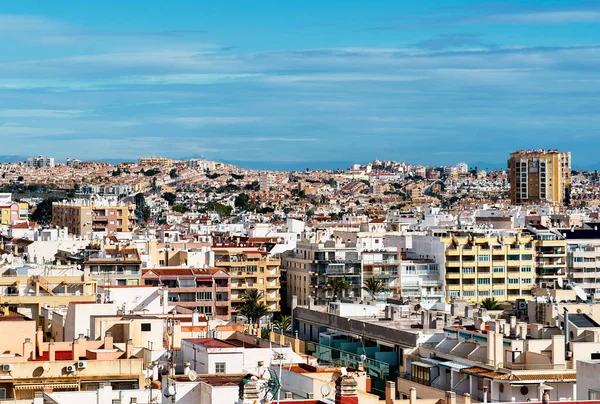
(40,161)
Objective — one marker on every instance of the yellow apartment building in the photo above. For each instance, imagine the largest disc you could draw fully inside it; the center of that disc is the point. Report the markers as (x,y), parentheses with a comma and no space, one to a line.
(155,162)
(250,268)
(480,267)
(540,176)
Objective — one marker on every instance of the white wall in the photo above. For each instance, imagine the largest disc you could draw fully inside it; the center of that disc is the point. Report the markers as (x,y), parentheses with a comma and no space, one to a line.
(79,318)
(136,298)
(587,379)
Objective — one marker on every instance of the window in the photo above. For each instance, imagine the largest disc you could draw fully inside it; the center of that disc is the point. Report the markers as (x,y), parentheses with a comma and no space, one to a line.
(498,270)
(220,367)
(526,280)
(483,293)
(453,293)
(526,269)
(483,281)
(527,257)
(512,257)
(468,293)
(203,296)
(513,281)
(251,268)
(498,292)
(595,356)
(468,270)
(146,327)
(483,258)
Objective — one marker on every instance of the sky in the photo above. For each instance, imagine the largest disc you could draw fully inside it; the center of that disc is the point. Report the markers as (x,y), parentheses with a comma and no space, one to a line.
(302,83)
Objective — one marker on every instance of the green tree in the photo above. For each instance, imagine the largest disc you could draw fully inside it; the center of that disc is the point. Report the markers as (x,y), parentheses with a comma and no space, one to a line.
(253,308)
(242,202)
(490,303)
(170,197)
(373,286)
(173,173)
(43,211)
(338,286)
(283,324)
(142,210)
(179,208)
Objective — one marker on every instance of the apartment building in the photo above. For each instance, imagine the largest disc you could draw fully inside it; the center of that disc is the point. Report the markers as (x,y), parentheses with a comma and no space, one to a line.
(550,255)
(310,266)
(40,162)
(251,268)
(479,267)
(14,212)
(384,265)
(206,290)
(583,258)
(114,265)
(540,176)
(155,162)
(421,281)
(84,217)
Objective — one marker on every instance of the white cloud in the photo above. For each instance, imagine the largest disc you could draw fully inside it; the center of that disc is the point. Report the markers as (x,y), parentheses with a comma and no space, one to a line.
(27,23)
(40,113)
(194,122)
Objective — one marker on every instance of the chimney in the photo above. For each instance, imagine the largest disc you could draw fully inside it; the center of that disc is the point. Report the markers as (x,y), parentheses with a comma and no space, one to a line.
(186,368)
(51,351)
(412,395)
(522,331)
(129,349)
(513,323)
(390,392)
(345,390)
(28,349)
(195,318)
(108,340)
(39,340)
(450,397)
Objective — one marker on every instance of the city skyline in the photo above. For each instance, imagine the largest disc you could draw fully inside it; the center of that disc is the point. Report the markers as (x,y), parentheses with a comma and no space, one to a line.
(396,81)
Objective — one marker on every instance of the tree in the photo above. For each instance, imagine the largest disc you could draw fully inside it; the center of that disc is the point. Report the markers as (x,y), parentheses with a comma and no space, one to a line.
(490,303)
(252,307)
(373,286)
(141,209)
(242,202)
(179,208)
(283,324)
(338,286)
(170,197)
(173,173)
(43,211)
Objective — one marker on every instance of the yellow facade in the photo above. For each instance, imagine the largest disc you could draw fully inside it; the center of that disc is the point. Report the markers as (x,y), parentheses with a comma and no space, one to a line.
(251,269)
(484,267)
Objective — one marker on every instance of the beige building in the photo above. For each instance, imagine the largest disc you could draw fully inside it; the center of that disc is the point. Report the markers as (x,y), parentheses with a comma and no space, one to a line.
(540,176)
(155,161)
(251,269)
(85,217)
(483,267)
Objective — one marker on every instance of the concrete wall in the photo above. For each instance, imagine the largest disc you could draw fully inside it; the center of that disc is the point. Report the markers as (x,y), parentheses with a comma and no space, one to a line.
(79,318)
(588,375)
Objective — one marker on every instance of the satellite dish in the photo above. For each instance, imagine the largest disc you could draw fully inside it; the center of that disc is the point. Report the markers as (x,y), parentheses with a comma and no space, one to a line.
(560,282)
(193,376)
(580,293)
(148,382)
(169,391)
(325,390)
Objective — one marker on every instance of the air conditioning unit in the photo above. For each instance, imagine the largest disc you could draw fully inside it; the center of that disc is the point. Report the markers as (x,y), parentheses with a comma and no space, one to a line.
(81,365)
(7,367)
(70,368)
(99,297)
(522,305)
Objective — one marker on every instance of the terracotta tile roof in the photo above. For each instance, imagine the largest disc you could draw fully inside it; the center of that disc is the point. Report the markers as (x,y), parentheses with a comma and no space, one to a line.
(476,370)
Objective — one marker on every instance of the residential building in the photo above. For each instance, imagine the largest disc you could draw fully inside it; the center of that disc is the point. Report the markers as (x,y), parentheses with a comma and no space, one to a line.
(206,290)
(114,265)
(155,162)
(86,217)
(40,162)
(315,261)
(479,267)
(251,268)
(384,265)
(14,212)
(540,176)
(583,259)
(421,281)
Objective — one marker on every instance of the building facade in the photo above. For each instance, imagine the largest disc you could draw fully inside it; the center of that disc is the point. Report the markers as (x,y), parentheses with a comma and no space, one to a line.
(540,176)
(251,269)
(86,217)
(40,161)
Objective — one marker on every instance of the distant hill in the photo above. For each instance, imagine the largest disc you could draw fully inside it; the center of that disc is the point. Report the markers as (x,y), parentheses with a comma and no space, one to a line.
(12,159)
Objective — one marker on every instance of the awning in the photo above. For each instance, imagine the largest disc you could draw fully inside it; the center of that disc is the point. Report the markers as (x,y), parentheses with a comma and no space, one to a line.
(454,365)
(41,386)
(421,364)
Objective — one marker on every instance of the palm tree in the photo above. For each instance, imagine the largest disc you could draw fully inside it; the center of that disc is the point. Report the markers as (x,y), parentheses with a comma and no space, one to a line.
(338,286)
(283,323)
(373,286)
(490,303)
(252,307)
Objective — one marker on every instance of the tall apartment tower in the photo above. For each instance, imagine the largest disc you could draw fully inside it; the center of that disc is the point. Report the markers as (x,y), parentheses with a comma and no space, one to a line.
(540,176)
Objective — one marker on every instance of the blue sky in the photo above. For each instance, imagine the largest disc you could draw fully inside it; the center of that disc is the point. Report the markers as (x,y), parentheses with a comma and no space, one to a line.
(301,82)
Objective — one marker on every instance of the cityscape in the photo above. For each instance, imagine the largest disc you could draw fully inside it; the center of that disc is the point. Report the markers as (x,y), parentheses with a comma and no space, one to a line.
(316,202)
